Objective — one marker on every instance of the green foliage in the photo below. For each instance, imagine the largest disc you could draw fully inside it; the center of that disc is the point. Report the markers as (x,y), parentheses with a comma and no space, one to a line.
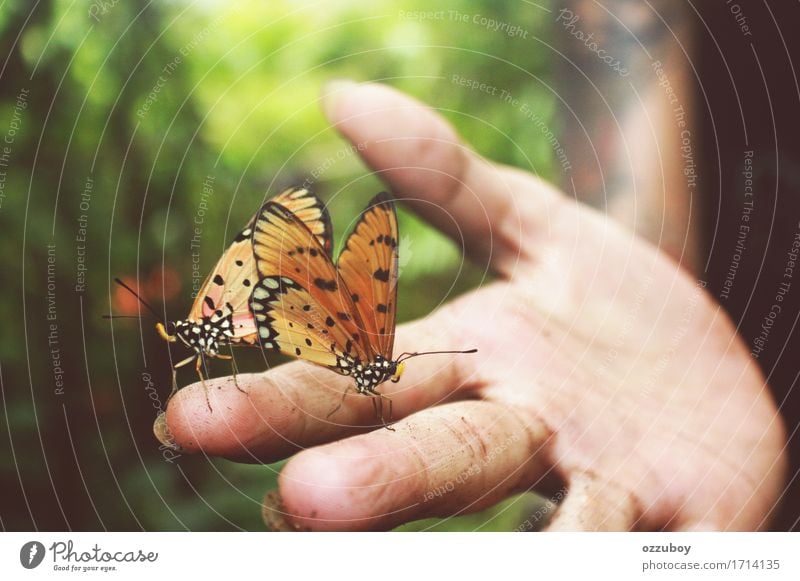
(130,111)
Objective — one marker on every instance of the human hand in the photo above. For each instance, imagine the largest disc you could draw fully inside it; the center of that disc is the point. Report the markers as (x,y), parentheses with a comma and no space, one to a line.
(601,363)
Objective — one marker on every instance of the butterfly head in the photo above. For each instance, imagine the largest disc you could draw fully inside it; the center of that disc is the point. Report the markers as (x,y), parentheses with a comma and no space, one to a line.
(164,331)
(172,331)
(371,375)
(204,335)
(398,367)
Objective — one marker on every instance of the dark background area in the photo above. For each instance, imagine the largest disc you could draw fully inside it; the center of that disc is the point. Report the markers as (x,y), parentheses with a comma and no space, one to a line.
(751,85)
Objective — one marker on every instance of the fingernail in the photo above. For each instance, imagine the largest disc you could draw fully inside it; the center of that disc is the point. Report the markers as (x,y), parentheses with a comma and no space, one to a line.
(162,433)
(274,515)
(332,92)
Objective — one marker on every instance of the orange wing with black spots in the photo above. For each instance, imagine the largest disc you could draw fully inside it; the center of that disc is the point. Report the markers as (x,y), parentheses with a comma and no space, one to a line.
(368,264)
(292,321)
(343,316)
(229,286)
(302,307)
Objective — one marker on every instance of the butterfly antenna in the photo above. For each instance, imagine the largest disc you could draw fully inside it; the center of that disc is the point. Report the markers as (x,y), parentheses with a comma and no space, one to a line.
(141,300)
(405,356)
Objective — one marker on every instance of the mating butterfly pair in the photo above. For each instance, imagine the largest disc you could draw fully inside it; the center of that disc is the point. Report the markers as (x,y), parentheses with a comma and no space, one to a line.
(277,287)
(221,314)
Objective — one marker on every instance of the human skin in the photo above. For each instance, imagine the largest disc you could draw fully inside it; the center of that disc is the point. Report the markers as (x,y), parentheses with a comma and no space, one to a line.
(601,364)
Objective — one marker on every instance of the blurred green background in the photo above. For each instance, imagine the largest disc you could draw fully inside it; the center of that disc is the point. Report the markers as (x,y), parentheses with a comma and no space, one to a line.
(120,112)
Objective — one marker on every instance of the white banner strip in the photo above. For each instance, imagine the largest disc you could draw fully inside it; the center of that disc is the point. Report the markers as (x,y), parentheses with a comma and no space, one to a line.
(390,556)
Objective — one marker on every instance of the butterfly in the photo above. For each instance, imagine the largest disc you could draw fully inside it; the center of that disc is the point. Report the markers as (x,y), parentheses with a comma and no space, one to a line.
(220,315)
(340,316)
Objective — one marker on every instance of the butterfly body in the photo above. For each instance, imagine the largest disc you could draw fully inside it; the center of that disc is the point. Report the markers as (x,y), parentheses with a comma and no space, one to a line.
(207,335)
(371,375)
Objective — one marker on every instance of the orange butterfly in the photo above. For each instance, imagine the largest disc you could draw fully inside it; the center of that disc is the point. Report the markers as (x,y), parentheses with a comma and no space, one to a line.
(220,315)
(343,316)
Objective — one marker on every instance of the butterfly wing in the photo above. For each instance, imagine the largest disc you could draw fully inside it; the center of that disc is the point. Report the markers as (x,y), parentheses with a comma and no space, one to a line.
(310,210)
(368,264)
(301,305)
(292,321)
(229,285)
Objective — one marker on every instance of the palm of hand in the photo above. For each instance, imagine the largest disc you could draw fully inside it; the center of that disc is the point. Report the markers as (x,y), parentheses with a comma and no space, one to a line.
(653,404)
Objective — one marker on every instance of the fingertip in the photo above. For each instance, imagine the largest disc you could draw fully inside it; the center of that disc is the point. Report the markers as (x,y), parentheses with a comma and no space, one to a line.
(332,93)
(187,414)
(399,134)
(213,419)
(163,434)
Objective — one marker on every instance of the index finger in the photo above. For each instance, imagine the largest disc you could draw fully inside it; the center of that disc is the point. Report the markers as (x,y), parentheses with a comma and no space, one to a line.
(286,409)
(489,209)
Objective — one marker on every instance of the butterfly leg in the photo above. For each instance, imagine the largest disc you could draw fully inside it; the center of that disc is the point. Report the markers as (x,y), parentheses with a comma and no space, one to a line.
(174,384)
(235,372)
(377,404)
(341,402)
(175,375)
(389,425)
(234,367)
(200,363)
